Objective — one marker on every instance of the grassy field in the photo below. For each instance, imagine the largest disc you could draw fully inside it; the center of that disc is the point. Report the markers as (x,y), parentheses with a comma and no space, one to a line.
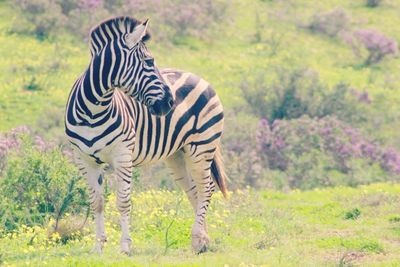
(329,227)
(340,226)
(36,76)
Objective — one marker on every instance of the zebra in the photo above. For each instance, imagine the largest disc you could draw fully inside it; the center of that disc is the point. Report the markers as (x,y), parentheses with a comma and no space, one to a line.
(124,112)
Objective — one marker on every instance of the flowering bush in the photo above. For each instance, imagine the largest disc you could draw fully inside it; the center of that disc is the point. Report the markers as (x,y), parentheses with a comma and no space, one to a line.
(194,18)
(375,43)
(37,183)
(325,151)
(241,161)
(362,97)
(12,141)
(330,23)
(7,142)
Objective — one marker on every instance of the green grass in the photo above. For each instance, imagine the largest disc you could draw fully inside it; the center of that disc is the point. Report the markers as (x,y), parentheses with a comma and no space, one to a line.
(251,228)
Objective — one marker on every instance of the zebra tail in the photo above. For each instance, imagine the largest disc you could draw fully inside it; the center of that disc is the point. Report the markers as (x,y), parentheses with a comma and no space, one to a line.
(218,172)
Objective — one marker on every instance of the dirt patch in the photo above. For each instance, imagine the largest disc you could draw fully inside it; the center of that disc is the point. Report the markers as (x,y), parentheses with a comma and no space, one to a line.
(350,258)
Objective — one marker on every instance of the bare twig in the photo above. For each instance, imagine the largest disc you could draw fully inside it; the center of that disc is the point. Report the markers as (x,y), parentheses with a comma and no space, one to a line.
(167,243)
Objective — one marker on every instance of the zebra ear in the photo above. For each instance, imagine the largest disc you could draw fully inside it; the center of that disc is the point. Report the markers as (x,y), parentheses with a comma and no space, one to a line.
(137,35)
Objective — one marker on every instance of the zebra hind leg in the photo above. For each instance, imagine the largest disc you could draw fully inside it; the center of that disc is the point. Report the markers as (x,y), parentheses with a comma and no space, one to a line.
(176,163)
(199,167)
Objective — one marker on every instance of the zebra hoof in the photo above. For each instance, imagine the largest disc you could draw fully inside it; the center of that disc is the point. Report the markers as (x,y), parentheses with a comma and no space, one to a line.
(97,249)
(203,249)
(200,241)
(126,248)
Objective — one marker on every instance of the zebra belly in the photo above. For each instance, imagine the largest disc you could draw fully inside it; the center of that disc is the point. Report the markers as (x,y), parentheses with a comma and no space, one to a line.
(158,139)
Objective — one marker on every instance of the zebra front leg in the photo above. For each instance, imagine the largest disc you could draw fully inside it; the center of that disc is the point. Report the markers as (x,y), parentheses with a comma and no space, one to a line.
(95,179)
(199,168)
(123,171)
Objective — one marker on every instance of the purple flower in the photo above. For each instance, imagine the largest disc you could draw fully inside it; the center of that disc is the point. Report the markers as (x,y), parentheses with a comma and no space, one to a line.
(334,138)
(90,4)
(374,40)
(377,44)
(12,141)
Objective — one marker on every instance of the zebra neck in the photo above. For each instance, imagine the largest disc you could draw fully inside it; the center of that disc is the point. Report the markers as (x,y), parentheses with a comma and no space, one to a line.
(95,98)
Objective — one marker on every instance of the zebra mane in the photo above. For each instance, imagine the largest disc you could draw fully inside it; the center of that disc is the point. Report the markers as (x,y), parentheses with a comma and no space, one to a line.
(122,24)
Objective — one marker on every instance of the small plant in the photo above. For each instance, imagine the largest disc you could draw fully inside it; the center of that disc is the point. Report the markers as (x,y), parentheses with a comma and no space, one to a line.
(169,243)
(353,214)
(373,3)
(372,246)
(32,85)
(394,219)
(330,23)
(274,42)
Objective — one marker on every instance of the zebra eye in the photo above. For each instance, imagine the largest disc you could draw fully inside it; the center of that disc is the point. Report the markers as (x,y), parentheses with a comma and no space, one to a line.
(149,62)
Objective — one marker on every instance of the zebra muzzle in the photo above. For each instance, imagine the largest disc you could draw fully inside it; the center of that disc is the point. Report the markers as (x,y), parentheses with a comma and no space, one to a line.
(162,107)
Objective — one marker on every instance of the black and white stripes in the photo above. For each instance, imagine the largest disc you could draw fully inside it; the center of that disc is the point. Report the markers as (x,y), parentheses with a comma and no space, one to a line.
(124,112)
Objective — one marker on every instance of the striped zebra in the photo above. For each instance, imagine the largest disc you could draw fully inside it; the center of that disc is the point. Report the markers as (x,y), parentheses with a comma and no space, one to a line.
(124,112)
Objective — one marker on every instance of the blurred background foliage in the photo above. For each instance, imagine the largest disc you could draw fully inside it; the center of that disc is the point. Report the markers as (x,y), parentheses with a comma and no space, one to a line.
(310,90)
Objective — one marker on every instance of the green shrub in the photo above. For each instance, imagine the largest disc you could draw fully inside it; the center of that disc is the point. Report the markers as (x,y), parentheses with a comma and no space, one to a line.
(331,23)
(38,185)
(373,3)
(300,92)
(352,214)
(45,16)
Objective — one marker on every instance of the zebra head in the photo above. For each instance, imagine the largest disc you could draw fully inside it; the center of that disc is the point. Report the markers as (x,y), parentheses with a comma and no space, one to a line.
(118,47)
